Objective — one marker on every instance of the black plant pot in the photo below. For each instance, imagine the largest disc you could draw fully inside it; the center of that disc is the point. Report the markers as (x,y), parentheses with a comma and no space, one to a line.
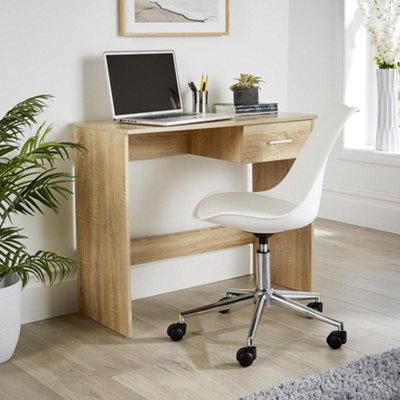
(245,97)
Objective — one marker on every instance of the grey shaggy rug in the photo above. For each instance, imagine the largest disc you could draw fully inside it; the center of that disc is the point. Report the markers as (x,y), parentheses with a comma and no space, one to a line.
(370,378)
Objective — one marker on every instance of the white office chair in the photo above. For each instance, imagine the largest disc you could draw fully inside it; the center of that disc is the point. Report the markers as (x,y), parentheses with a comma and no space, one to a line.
(292,204)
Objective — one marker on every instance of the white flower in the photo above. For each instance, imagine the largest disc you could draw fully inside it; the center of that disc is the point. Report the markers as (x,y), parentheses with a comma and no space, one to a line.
(382,21)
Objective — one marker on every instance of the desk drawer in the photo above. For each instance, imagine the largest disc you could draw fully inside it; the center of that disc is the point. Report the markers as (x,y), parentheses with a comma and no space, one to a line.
(270,142)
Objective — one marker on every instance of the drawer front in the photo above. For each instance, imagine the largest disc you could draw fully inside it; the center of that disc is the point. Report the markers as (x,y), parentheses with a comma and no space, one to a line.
(270,142)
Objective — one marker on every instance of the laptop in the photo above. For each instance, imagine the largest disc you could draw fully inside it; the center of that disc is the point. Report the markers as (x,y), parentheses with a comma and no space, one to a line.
(144,89)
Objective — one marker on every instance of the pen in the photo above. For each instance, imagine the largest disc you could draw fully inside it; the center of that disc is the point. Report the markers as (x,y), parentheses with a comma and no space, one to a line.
(192,86)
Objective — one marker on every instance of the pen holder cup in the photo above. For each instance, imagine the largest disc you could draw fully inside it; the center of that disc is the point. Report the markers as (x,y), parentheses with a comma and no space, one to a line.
(200,101)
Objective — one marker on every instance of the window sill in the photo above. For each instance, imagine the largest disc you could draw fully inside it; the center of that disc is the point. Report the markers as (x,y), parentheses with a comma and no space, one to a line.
(371,156)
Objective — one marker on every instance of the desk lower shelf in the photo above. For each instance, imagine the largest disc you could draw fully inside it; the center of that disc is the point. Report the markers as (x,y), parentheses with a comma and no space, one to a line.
(186,243)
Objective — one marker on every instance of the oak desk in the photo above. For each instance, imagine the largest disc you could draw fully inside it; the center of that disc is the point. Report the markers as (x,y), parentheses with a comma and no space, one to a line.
(105,250)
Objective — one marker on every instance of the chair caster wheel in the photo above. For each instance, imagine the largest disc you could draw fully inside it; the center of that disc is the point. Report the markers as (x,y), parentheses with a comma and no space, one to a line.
(227,310)
(316,305)
(336,338)
(177,331)
(246,355)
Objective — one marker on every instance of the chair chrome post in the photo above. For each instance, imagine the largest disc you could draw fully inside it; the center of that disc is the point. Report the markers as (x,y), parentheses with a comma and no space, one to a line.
(263,273)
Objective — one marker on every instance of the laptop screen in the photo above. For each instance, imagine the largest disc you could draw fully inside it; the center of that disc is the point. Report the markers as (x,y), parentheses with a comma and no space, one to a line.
(142,82)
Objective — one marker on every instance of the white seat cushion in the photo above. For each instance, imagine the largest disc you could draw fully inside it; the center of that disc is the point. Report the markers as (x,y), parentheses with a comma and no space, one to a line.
(251,212)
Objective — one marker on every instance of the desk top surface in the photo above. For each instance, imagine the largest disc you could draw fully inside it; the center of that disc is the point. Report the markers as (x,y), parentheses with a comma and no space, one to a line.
(132,129)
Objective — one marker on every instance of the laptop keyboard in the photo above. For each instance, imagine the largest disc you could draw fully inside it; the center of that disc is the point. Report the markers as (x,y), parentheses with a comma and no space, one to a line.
(166,116)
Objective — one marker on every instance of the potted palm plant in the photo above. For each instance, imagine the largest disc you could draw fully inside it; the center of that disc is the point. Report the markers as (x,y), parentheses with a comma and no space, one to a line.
(29,183)
(245,90)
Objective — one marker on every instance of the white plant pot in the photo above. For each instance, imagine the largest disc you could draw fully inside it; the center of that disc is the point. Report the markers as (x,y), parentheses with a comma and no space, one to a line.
(387,132)
(10,315)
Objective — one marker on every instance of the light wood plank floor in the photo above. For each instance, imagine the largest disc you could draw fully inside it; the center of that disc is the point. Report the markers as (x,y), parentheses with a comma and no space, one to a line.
(357,271)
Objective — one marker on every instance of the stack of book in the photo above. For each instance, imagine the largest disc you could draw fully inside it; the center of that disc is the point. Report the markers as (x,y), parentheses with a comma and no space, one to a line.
(262,108)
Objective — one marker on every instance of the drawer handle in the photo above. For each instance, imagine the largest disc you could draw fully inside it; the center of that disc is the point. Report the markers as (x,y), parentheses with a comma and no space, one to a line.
(280,141)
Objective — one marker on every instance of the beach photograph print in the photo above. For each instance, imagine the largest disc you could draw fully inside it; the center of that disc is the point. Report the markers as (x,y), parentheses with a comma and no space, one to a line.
(174,17)
(205,11)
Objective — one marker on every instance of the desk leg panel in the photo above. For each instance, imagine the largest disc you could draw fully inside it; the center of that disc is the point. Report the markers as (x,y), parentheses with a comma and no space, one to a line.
(102,223)
(292,251)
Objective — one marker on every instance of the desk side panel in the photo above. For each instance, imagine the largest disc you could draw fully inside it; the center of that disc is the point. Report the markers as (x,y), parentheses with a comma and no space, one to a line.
(103,245)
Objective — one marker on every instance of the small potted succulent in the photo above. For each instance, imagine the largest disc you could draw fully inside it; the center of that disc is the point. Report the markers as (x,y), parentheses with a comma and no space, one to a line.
(245,90)
(29,183)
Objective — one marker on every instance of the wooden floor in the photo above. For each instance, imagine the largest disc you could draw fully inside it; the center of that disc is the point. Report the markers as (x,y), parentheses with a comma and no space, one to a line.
(71,357)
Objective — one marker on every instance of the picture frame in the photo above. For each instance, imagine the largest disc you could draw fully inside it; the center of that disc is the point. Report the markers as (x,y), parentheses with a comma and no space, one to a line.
(174,17)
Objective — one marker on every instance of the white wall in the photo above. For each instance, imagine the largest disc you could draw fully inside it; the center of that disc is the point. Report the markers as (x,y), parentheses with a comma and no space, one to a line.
(55,47)
(359,188)
(314,55)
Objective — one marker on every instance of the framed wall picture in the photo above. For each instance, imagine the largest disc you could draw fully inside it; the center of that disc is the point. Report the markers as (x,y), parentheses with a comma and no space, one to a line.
(174,17)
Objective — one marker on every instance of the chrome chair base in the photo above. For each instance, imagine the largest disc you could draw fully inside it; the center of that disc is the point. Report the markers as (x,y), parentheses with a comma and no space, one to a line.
(263,296)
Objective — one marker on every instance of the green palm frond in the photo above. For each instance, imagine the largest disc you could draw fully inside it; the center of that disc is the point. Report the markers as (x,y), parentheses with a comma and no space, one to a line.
(31,196)
(30,183)
(10,242)
(39,151)
(21,116)
(46,266)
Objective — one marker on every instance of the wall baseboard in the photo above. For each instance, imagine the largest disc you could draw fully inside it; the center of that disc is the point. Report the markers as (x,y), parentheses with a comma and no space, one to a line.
(189,271)
(367,208)
(42,302)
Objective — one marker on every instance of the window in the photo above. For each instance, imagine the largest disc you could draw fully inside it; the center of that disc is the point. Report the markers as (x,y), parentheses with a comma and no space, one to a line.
(359,81)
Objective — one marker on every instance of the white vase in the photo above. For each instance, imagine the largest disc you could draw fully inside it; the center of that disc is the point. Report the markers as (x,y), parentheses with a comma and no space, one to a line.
(10,315)
(387,132)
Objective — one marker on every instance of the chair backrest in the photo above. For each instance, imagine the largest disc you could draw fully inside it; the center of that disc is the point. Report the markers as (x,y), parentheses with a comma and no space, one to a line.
(303,183)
